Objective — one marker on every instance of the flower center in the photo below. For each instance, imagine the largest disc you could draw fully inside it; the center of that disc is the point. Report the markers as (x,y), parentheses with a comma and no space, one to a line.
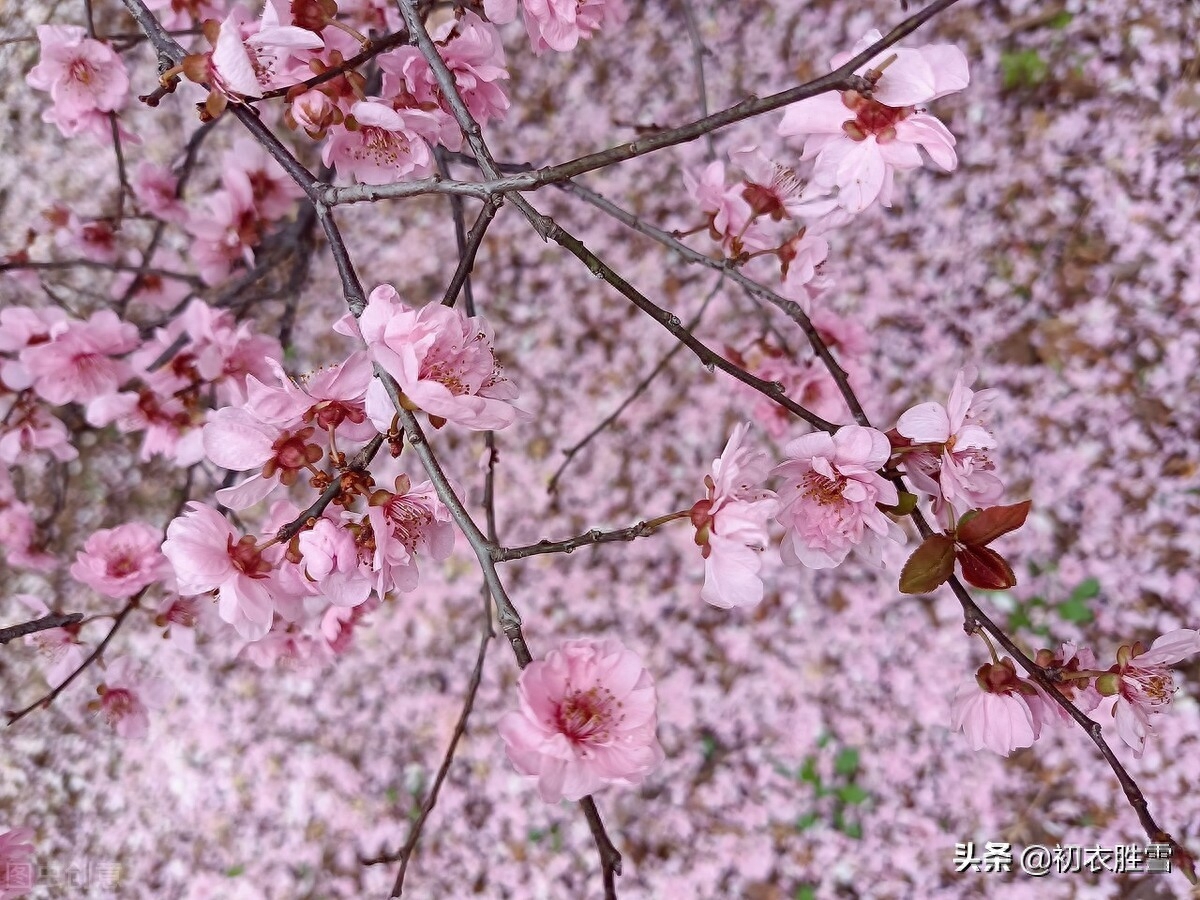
(587,716)
(825,491)
(872,117)
(121,566)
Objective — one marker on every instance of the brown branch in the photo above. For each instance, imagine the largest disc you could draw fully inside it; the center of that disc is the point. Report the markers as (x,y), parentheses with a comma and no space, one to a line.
(588,538)
(571,452)
(118,620)
(359,463)
(54,620)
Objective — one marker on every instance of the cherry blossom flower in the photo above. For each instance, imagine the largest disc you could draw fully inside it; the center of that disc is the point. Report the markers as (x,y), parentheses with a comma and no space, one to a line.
(329,398)
(331,560)
(21,327)
(858,141)
(31,429)
(60,647)
(402,522)
(126,697)
(951,461)
(731,524)
(86,79)
(155,188)
(236,440)
(473,53)
(79,362)
(249,171)
(18,871)
(587,719)
(226,231)
(239,66)
(731,219)
(561,24)
(382,145)
(205,556)
(315,112)
(119,562)
(998,710)
(1142,684)
(829,501)
(442,360)
(771,189)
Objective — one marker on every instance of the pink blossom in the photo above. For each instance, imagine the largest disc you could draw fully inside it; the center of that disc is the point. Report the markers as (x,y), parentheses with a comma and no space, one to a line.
(858,141)
(771,189)
(84,76)
(473,53)
(185,13)
(155,188)
(165,422)
(561,24)
(225,232)
(31,429)
(950,460)
(93,239)
(79,362)
(240,66)
(18,871)
(315,112)
(234,439)
(384,146)
(441,358)
(119,562)
(731,524)
(60,647)
(829,501)
(249,171)
(205,556)
(731,220)
(21,327)
(331,560)
(1142,683)
(587,719)
(402,522)
(329,398)
(998,709)
(126,697)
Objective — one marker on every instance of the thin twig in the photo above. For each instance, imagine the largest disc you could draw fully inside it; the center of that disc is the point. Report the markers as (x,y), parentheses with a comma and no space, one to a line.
(118,620)
(699,51)
(359,463)
(589,538)
(638,390)
(54,620)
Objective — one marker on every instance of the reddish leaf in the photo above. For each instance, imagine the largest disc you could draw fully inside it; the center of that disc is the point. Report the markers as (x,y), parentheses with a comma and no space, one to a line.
(983,526)
(930,565)
(985,568)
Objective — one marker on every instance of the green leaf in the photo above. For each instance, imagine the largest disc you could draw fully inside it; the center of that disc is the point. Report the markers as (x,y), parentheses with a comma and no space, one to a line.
(1086,590)
(1075,610)
(853,830)
(930,565)
(982,526)
(1022,69)
(805,892)
(846,762)
(853,794)
(807,821)
(1061,21)
(808,771)
(234,871)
